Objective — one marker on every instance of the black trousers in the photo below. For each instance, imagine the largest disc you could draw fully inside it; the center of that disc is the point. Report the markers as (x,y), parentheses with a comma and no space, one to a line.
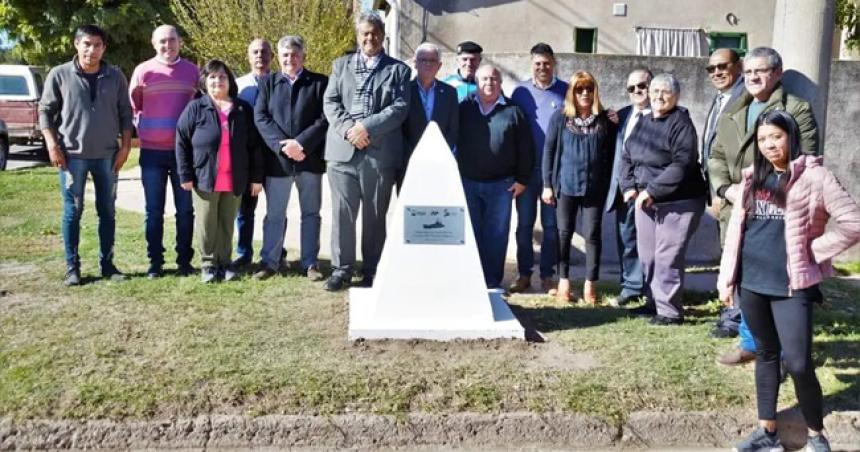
(784,325)
(592,216)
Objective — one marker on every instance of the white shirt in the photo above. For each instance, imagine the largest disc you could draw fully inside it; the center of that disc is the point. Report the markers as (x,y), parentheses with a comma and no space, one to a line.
(631,123)
(499,101)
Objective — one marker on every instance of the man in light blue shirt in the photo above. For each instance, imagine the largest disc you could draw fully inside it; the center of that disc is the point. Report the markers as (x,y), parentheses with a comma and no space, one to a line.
(436,101)
(260,58)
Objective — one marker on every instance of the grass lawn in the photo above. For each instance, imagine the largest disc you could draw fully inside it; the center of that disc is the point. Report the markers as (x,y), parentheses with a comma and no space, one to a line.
(173,347)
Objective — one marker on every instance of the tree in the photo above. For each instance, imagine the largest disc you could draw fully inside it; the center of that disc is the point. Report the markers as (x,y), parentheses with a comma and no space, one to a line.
(848,18)
(222,29)
(43,30)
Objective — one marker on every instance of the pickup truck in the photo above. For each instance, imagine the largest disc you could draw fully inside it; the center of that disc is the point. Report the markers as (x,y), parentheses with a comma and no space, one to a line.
(20,89)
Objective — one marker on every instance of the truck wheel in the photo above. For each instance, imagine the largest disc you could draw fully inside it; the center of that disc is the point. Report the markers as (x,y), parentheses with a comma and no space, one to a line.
(4,153)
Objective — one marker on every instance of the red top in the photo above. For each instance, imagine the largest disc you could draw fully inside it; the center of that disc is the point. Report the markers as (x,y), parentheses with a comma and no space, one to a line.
(224,176)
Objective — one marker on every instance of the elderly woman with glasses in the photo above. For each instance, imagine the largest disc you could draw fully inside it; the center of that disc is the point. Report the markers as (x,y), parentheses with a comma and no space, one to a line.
(218,156)
(660,170)
(577,161)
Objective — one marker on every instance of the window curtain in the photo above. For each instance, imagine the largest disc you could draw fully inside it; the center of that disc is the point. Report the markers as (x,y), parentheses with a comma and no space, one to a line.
(678,42)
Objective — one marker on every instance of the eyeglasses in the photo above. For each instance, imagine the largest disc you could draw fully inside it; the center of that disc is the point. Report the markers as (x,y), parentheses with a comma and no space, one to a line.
(757,72)
(641,86)
(583,89)
(426,61)
(721,66)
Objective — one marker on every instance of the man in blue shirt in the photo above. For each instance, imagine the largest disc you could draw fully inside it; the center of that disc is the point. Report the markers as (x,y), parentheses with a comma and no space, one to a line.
(538,97)
(431,100)
(468,60)
(260,58)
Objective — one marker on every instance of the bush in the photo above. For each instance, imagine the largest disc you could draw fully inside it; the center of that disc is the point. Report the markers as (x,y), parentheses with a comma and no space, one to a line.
(222,29)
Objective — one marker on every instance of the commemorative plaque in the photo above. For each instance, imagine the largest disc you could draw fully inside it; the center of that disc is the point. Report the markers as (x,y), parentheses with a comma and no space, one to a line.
(434,225)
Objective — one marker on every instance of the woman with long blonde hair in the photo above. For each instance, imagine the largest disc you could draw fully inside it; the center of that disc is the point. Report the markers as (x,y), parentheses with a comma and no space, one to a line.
(577,160)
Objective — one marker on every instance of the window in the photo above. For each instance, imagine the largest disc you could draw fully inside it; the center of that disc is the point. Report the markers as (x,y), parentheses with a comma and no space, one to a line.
(13,85)
(584,40)
(736,41)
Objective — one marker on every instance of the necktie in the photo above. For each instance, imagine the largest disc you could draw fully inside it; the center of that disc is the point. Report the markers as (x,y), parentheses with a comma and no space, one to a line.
(631,125)
(718,108)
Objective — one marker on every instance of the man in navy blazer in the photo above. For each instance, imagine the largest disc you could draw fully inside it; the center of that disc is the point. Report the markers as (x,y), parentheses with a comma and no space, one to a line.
(432,100)
(366,102)
(631,270)
(289,116)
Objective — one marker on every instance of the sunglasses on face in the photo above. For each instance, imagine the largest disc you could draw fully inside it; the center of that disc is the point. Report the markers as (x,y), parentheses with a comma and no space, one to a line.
(641,86)
(583,89)
(713,67)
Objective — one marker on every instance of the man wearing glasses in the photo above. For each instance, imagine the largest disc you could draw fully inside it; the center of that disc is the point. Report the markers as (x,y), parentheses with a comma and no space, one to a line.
(436,101)
(625,223)
(732,148)
(724,69)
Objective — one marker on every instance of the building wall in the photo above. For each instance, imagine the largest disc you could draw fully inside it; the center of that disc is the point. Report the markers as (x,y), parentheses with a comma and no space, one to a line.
(514,26)
(841,151)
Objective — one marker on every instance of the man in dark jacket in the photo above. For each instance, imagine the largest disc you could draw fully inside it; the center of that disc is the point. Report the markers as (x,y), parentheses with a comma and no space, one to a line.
(625,223)
(289,116)
(496,160)
(432,100)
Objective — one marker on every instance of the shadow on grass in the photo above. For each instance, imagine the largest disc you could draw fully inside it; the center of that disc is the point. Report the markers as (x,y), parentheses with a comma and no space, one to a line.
(556,318)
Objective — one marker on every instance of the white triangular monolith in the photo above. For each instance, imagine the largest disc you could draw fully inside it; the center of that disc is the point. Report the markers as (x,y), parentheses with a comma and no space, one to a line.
(429,283)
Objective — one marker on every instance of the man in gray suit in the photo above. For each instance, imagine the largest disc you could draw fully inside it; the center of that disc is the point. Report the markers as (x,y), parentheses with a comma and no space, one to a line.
(432,100)
(366,102)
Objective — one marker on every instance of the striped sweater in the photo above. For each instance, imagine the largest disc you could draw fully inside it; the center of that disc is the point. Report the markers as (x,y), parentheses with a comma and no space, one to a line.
(159,92)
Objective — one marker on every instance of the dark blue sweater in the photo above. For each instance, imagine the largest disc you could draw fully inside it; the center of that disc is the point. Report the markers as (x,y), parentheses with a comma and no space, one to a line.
(495,146)
(661,157)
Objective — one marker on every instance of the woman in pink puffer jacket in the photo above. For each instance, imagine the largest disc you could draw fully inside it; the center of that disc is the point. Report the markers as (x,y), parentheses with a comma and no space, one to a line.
(776,253)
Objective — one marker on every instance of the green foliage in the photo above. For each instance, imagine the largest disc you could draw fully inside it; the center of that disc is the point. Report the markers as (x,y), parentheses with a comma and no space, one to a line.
(44,29)
(848,18)
(222,29)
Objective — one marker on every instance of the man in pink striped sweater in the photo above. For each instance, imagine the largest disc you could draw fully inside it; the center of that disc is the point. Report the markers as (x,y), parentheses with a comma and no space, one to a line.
(160,88)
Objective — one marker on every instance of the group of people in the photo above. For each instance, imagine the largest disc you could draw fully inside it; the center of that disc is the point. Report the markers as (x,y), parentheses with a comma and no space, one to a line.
(551,147)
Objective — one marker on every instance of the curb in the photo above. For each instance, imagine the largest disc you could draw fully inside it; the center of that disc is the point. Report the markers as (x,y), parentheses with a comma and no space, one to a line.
(508,430)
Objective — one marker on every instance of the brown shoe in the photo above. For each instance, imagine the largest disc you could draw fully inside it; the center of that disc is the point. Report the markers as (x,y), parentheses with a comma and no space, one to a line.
(589,293)
(314,274)
(263,273)
(547,284)
(562,293)
(522,284)
(736,357)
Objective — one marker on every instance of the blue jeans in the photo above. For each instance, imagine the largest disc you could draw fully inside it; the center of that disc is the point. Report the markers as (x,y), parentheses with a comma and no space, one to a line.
(73,182)
(628,255)
(745,336)
(245,226)
(490,210)
(155,169)
(527,209)
(278,190)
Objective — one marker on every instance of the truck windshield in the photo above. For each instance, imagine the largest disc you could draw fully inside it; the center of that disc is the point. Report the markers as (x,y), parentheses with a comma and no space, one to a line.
(13,85)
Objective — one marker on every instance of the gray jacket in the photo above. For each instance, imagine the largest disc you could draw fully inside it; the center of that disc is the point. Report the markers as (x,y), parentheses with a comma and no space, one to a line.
(390,107)
(85,129)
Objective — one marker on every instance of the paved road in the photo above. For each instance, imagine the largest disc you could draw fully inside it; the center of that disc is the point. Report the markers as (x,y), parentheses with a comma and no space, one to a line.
(25,157)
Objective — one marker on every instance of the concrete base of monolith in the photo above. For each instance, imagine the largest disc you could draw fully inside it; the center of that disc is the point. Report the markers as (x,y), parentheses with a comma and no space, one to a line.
(429,283)
(364,325)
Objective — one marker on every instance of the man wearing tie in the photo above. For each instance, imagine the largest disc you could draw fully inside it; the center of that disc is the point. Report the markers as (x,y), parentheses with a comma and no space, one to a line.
(625,224)
(432,100)
(724,70)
